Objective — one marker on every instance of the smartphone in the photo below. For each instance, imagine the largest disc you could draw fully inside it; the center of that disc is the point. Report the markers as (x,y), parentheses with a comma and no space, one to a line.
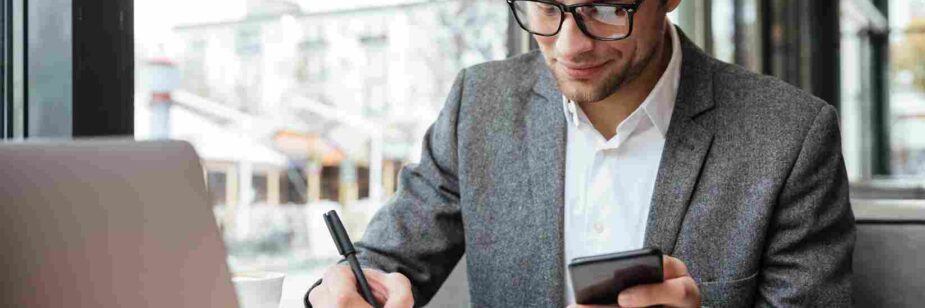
(598,280)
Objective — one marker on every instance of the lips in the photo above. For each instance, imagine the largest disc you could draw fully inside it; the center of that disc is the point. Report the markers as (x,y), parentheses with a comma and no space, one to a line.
(582,71)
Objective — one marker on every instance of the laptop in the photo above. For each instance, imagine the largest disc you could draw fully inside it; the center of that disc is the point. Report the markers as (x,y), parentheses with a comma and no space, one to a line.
(108,224)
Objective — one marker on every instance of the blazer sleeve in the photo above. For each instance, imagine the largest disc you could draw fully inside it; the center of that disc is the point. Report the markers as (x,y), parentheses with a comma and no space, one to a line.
(807,262)
(419,231)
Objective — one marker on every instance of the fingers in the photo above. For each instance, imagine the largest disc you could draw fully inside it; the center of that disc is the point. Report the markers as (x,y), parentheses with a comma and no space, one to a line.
(339,289)
(673,267)
(393,289)
(678,289)
(676,292)
(379,289)
(399,291)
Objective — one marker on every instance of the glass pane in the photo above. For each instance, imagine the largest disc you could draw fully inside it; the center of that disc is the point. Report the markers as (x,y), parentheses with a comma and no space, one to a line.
(4,105)
(855,94)
(734,32)
(304,105)
(723,25)
(217,182)
(259,187)
(907,88)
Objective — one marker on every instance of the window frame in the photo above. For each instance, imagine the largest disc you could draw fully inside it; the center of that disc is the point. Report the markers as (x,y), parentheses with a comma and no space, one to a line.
(104,68)
(97,108)
(5,108)
(101,100)
(12,111)
(67,69)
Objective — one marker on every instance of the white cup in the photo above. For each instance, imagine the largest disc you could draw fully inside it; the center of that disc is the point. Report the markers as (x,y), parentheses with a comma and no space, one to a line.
(258,289)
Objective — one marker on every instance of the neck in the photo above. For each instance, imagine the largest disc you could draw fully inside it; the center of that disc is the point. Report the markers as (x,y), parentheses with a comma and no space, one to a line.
(607,114)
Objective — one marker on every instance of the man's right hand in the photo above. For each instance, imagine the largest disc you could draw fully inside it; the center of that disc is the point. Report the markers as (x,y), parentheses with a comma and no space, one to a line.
(338,288)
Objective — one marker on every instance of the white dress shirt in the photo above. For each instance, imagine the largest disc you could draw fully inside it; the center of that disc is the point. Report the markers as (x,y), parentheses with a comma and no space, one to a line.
(609,183)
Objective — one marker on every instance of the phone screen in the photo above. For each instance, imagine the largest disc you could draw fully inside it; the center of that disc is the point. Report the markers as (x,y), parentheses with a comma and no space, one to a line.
(598,280)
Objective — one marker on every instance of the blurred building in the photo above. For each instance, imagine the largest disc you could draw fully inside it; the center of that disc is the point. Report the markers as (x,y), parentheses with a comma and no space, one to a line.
(292,105)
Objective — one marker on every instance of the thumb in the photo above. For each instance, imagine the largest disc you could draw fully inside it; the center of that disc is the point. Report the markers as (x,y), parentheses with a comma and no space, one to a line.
(394,289)
(673,267)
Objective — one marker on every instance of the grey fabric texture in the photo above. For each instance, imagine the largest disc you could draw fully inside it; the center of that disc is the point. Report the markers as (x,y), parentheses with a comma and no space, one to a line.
(888,264)
(751,191)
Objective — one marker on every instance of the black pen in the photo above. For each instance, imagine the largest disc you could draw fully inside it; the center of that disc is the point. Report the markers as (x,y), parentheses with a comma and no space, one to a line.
(345,248)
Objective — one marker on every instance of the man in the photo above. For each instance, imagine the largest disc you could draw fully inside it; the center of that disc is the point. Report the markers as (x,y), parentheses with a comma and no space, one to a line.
(620,134)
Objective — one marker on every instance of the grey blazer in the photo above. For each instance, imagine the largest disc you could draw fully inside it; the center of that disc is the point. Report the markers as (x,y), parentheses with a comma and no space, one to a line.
(751,192)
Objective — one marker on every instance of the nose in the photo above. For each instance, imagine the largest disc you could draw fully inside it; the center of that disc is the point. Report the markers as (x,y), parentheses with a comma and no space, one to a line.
(571,42)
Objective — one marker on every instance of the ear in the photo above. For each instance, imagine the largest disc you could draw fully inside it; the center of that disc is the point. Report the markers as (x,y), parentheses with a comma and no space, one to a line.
(672,4)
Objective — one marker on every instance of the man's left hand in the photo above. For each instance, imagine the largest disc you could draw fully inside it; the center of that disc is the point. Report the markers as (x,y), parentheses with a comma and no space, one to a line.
(678,289)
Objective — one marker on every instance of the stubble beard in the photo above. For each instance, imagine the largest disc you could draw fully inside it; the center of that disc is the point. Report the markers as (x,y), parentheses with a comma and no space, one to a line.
(573,90)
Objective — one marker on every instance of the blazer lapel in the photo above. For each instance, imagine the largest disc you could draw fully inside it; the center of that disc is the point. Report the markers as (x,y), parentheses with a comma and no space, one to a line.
(545,146)
(686,147)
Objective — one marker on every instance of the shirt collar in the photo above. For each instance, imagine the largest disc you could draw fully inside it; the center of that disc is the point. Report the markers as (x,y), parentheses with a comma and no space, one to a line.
(659,104)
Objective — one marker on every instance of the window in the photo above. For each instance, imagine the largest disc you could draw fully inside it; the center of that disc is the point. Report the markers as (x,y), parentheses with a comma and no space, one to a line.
(295,186)
(728,29)
(217,185)
(291,104)
(311,62)
(194,69)
(247,41)
(330,181)
(5,101)
(259,187)
(736,32)
(362,182)
(857,101)
(906,116)
(833,49)
(311,71)
(376,63)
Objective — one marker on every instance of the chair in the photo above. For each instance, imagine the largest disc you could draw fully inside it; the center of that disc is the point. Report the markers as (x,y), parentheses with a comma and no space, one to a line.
(889,255)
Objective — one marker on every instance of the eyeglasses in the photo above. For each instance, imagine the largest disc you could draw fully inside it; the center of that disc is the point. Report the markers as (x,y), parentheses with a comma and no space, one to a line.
(600,21)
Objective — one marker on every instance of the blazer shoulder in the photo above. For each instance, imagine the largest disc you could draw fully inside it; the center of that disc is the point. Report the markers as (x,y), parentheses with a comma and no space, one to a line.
(735,80)
(488,89)
(749,93)
(513,72)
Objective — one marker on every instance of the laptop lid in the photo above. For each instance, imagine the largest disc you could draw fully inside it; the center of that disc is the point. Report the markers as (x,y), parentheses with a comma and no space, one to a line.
(108,224)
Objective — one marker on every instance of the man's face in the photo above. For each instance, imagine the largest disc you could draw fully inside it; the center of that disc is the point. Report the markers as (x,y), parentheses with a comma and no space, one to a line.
(588,70)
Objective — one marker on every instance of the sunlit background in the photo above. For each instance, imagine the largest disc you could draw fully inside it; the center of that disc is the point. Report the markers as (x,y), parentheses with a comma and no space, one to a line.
(299,107)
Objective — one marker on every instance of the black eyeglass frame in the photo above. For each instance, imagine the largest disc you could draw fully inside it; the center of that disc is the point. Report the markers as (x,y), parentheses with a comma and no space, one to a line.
(630,8)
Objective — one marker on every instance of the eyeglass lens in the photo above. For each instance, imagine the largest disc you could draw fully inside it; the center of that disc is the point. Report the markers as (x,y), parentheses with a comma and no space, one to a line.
(601,21)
